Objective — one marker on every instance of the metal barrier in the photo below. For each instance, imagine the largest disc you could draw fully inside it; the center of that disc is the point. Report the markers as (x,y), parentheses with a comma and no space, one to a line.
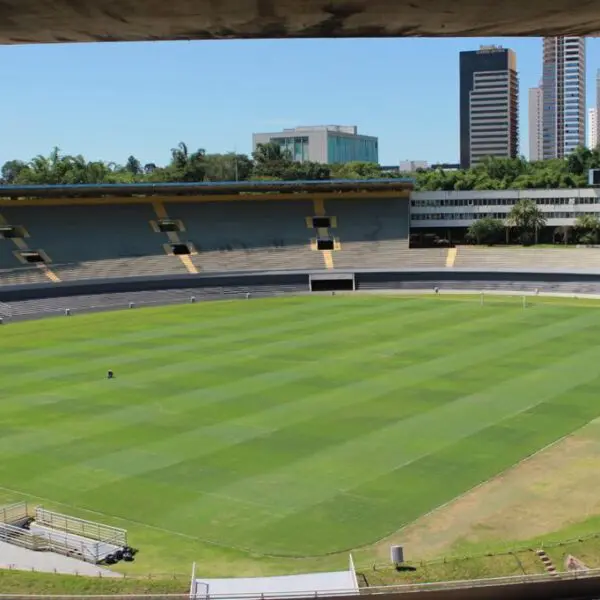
(88,529)
(14,513)
(17,536)
(5,310)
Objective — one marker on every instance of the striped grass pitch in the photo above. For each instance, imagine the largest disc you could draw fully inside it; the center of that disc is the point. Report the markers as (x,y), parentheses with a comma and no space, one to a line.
(286,427)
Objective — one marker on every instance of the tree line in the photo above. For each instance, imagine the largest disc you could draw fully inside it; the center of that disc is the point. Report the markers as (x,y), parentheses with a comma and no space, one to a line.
(524,223)
(270,162)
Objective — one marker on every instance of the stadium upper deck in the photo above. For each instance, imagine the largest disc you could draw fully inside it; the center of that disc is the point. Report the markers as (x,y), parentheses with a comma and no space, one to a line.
(227,190)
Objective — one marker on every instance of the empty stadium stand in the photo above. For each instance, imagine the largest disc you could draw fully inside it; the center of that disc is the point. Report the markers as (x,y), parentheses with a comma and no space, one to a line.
(94,241)
(374,234)
(494,258)
(110,240)
(247,235)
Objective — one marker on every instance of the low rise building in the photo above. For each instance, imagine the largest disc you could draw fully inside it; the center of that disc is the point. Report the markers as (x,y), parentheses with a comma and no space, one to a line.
(453,210)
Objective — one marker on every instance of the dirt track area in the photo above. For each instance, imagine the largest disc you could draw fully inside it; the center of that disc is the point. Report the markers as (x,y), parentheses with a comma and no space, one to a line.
(551,490)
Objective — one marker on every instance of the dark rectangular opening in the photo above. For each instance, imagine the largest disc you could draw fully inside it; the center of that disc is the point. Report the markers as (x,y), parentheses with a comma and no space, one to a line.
(179,249)
(168,225)
(331,285)
(326,244)
(32,257)
(321,222)
(11,231)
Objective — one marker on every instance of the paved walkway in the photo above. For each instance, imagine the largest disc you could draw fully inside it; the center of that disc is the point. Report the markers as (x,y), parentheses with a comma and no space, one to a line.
(14,557)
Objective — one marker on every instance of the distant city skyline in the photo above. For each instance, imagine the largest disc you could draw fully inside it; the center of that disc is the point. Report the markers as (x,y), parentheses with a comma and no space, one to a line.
(109,101)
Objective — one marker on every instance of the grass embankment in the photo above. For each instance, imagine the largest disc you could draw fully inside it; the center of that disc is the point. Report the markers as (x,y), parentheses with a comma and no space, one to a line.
(24,582)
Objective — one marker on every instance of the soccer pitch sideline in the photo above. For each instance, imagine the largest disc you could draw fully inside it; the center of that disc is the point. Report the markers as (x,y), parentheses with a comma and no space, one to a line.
(296,427)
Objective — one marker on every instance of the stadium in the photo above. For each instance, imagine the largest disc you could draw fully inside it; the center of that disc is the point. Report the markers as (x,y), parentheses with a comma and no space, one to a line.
(293,391)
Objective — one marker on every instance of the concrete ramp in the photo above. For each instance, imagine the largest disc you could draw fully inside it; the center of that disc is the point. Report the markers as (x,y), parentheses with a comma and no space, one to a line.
(22,559)
(309,585)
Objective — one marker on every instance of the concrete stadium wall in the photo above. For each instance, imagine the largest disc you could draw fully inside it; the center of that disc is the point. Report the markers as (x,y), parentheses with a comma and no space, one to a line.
(64,289)
(574,588)
(365,280)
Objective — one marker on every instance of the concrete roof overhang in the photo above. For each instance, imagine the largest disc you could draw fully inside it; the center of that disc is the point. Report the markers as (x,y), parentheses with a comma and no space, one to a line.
(47,21)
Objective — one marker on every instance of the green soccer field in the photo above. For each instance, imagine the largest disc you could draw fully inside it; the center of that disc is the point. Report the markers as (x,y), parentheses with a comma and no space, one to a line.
(295,427)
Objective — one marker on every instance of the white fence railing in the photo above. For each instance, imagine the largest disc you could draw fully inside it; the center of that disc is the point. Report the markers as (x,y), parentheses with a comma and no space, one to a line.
(62,534)
(107,534)
(14,513)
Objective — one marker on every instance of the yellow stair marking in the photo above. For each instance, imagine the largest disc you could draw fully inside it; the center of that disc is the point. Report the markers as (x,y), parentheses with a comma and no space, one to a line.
(187,263)
(160,210)
(161,213)
(319,207)
(451,257)
(323,232)
(49,273)
(21,244)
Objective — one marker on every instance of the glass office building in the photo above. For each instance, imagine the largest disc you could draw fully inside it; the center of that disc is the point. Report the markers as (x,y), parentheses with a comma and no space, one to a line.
(326,144)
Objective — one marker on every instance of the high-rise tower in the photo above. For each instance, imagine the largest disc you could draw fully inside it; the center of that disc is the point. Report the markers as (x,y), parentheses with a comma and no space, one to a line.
(489,96)
(536,132)
(563,84)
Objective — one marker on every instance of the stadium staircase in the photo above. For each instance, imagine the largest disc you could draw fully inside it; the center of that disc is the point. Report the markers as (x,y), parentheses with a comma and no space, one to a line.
(547,562)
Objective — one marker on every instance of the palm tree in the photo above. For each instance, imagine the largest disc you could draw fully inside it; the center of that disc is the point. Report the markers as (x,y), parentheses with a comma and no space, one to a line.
(526,217)
(180,156)
(588,228)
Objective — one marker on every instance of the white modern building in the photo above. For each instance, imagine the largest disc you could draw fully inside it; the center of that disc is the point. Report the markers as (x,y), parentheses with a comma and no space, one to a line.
(327,144)
(592,131)
(563,85)
(536,132)
(410,166)
(460,209)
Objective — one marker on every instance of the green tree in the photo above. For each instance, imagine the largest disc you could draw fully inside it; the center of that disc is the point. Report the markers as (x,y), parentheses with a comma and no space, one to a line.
(133,166)
(11,170)
(271,161)
(527,219)
(486,231)
(356,170)
(587,228)
(227,167)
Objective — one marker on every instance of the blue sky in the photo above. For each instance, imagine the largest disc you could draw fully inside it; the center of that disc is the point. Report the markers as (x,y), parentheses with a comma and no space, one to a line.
(111,100)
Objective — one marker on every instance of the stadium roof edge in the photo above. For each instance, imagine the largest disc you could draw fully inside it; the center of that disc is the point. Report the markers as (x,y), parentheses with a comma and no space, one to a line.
(193,184)
(200,188)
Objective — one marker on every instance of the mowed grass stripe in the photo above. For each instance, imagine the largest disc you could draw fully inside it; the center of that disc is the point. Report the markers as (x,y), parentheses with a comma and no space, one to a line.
(138,379)
(77,437)
(194,441)
(122,416)
(287,485)
(195,451)
(152,324)
(196,335)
